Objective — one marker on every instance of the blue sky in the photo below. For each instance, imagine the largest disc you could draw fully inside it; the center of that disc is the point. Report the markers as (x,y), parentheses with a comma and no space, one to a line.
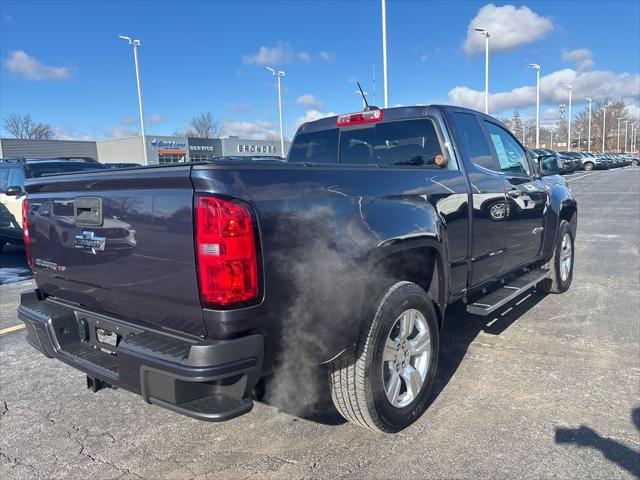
(63,63)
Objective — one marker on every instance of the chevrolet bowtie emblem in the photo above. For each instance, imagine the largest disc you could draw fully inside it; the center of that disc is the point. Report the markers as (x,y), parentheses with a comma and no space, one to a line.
(89,242)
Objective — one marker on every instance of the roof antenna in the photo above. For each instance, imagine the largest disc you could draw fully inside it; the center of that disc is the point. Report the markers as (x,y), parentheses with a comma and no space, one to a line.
(364,98)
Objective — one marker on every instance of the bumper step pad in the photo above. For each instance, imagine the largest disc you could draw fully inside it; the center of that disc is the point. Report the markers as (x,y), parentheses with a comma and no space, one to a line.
(215,407)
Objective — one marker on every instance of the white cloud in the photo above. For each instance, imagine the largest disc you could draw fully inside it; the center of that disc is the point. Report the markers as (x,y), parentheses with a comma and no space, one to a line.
(8,18)
(308,101)
(594,84)
(327,56)
(279,54)
(63,133)
(424,58)
(259,130)
(581,58)
(237,107)
(124,128)
(509,27)
(312,115)
(30,68)
(304,56)
(156,119)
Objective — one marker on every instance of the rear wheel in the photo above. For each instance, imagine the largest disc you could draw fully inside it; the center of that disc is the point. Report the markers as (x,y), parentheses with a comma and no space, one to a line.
(561,264)
(385,384)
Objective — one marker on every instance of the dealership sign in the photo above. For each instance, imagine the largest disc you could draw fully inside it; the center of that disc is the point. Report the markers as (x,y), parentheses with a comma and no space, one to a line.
(257,149)
(167,144)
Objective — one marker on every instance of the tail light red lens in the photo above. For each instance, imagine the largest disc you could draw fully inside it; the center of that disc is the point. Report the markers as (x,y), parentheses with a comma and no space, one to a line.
(226,252)
(25,231)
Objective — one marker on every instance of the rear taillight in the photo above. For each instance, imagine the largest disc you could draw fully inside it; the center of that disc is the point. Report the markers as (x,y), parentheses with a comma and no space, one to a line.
(25,231)
(226,252)
(360,117)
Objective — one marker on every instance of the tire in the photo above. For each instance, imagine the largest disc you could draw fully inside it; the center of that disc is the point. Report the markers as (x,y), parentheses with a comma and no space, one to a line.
(634,163)
(358,380)
(588,166)
(561,274)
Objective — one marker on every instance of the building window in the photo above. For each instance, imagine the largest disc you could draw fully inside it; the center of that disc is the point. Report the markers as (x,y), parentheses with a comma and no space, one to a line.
(171,157)
(200,156)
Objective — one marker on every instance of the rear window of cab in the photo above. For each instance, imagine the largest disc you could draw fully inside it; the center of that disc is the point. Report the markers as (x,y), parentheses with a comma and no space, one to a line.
(399,143)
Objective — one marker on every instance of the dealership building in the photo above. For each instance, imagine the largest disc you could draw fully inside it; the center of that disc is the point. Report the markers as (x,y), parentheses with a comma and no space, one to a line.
(160,149)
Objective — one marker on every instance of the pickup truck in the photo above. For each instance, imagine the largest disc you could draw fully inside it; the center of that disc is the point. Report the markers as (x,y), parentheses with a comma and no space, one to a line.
(188,284)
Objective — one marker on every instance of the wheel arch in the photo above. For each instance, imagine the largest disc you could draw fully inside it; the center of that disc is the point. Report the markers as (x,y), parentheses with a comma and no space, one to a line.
(420,262)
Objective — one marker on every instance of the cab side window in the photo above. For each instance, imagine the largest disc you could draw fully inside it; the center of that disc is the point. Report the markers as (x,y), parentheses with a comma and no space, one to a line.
(473,142)
(511,156)
(16,178)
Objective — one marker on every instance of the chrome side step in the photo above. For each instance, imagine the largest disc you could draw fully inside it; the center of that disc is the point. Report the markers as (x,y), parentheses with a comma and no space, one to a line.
(491,302)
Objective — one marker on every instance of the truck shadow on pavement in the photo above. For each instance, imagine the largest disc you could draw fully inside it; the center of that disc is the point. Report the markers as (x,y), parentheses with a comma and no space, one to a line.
(460,330)
(612,450)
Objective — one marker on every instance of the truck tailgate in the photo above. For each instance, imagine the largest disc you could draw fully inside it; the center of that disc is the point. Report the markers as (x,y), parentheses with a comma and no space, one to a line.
(120,243)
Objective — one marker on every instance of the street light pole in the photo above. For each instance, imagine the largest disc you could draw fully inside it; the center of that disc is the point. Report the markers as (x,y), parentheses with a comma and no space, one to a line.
(551,131)
(279,74)
(135,44)
(618,144)
(384,54)
(536,67)
(486,34)
(569,130)
(626,128)
(604,126)
(579,139)
(589,132)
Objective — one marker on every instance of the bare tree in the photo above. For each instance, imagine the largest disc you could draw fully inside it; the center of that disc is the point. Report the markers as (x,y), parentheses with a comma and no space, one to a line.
(204,126)
(42,131)
(24,127)
(615,108)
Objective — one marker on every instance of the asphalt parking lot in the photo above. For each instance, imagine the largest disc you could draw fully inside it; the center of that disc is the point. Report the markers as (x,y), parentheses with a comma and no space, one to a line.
(548,388)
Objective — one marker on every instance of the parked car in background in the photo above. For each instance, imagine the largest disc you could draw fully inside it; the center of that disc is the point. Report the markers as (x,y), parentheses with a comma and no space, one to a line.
(591,161)
(566,163)
(14,172)
(575,158)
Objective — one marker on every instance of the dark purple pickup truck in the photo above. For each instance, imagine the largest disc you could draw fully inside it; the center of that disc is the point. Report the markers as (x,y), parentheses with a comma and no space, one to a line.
(189,284)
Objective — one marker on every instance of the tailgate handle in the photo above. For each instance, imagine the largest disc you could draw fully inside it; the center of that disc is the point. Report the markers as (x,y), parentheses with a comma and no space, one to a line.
(87,211)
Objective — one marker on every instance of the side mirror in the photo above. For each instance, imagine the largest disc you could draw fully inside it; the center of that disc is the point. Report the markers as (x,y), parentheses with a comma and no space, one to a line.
(548,165)
(14,191)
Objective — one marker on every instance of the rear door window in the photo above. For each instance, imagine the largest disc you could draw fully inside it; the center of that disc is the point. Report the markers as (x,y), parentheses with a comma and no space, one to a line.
(398,143)
(315,147)
(356,146)
(408,142)
(16,178)
(4,175)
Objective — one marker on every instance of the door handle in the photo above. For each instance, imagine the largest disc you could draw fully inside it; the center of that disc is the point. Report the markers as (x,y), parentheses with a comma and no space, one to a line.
(513,193)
